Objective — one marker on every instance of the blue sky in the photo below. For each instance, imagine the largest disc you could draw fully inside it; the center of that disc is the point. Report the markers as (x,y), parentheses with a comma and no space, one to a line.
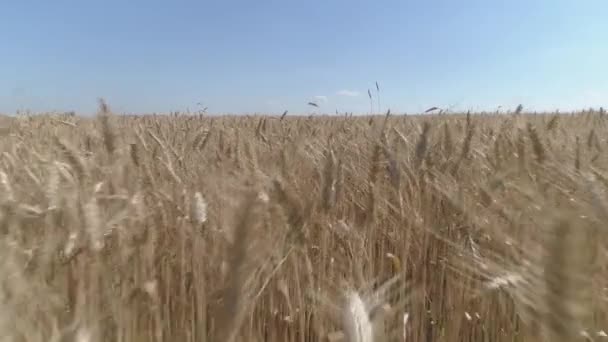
(270,56)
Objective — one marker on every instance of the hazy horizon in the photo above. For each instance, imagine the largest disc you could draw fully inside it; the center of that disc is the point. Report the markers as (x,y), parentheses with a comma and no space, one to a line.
(496,111)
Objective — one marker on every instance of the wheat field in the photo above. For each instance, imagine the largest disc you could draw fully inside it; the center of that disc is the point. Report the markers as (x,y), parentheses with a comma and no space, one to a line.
(461,227)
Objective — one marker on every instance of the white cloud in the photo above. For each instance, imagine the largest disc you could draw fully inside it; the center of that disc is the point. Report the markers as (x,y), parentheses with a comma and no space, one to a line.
(349,93)
(320,98)
(273,103)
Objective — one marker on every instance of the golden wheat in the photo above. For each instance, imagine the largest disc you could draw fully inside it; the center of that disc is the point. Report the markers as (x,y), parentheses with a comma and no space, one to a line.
(178,228)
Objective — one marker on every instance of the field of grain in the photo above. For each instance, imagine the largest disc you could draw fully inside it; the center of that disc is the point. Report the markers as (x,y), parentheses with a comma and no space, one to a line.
(397,228)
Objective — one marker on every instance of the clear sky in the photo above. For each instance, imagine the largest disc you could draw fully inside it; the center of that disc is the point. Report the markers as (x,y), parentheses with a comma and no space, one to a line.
(269,56)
